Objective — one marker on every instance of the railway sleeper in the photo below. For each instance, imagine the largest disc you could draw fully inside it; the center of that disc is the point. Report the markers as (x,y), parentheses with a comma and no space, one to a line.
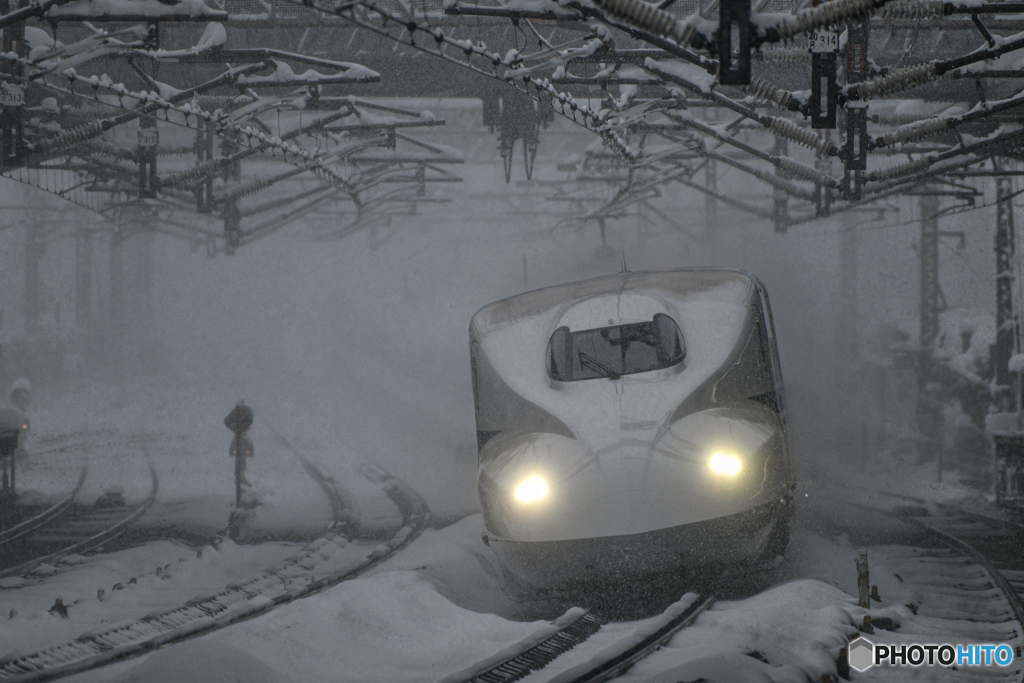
(947,567)
(975,613)
(979,581)
(1007,630)
(976,594)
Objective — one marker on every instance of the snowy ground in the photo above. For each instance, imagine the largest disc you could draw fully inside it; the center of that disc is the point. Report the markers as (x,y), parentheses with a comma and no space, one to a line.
(433,609)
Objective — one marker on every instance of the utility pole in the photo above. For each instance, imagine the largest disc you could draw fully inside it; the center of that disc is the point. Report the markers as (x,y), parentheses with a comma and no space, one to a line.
(83,279)
(849,326)
(855,151)
(928,411)
(35,247)
(847,332)
(1004,392)
(780,209)
(116,301)
(929,290)
(142,310)
(710,203)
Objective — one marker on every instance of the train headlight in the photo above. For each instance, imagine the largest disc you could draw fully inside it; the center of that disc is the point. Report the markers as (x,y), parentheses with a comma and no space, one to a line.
(533,489)
(724,463)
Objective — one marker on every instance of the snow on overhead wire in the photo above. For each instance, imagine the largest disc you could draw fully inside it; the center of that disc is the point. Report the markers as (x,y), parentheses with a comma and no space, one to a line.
(698,32)
(914,9)
(155,9)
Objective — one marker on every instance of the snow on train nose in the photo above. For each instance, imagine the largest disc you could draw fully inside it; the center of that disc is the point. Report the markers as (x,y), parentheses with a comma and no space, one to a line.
(627,490)
(551,487)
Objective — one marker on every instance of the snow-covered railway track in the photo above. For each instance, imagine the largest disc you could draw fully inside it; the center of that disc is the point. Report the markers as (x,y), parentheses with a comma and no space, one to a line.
(556,639)
(86,529)
(977,579)
(344,510)
(309,571)
(44,517)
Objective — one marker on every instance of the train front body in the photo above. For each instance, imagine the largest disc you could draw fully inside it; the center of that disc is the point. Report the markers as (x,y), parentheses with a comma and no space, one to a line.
(628,426)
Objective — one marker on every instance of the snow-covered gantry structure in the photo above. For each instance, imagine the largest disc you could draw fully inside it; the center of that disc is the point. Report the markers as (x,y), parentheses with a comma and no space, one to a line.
(186,124)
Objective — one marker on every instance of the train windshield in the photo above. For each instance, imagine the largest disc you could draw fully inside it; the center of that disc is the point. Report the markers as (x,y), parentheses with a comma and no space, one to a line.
(615,351)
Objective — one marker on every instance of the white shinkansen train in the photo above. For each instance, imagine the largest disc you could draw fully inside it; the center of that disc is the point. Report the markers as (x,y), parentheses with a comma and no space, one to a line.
(630,425)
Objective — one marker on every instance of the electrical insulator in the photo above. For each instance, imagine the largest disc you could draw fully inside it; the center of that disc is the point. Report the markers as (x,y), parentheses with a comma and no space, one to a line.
(791,131)
(915,131)
(107,149)
(646,16)
(906,168)
(798,170)
(763,91)
(896,80)
(914,9)
(70,137)
(186,178)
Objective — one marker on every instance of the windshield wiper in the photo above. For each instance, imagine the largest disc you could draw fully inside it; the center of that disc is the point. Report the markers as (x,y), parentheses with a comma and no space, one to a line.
(598,366)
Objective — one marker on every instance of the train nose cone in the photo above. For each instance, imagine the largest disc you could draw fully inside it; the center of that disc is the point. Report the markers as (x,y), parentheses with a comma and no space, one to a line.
(628,488)
(632,488)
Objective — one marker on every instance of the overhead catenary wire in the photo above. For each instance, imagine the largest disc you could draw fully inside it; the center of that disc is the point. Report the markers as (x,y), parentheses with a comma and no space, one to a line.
(897,80)
(593,120)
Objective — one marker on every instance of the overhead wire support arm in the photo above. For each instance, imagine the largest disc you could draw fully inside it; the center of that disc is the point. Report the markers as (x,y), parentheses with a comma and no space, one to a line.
(787,164)
(984,31)
(994,144)
(923,9)
(775,124)
(928,127)
(907,77)
(592,120)
(581,12)
(693,33)
(219,123)
(201,171)
(789,188)
(23,14)
(95,128)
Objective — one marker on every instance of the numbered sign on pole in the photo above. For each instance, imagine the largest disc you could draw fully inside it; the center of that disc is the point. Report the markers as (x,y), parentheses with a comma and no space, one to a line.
(148,137)
(12,95)
(824,41)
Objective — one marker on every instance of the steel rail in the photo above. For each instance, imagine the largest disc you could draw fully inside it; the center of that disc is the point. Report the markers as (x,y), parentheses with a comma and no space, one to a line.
(95,540)
(44,517)
(627,652)
(947,507)
(533,652)
(237,602)
(344,508)
(1013,598)
(970,551)
(574,627)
